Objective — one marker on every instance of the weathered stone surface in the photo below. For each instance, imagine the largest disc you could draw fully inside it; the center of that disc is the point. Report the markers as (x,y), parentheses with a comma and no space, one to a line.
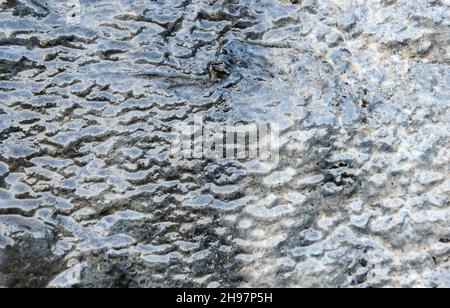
(91,195)
(26,259)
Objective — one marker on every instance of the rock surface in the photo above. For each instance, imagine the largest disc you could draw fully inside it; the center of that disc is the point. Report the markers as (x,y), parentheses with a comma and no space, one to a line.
(91,197)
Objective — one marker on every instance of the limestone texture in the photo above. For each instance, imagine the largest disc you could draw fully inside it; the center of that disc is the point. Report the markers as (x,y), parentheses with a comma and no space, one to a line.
(91,90)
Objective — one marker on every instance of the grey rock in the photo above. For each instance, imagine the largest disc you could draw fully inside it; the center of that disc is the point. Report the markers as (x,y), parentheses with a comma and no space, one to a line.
(333,39)
(69,278)
(26,259)
(157,260)
(92,97)
(3,170)
(350,112)
(279,178)
(114,241)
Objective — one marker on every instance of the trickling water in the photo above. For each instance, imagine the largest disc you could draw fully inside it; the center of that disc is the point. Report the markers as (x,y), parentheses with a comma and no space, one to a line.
(91,92)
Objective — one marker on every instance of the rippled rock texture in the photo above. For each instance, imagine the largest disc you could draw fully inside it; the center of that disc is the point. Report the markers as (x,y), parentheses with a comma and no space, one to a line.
(90,92)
